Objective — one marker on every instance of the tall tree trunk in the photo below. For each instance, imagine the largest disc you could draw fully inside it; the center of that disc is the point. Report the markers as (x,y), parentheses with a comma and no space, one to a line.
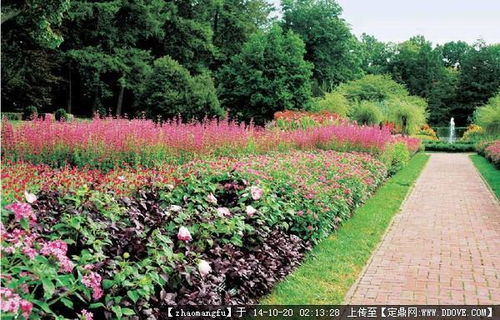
(70,87)
(120,101)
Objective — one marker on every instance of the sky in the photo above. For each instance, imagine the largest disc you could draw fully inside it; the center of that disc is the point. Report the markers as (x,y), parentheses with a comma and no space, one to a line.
(439,21)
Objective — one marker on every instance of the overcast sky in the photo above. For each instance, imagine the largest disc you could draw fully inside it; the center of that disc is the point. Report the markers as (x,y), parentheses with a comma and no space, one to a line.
(438,20)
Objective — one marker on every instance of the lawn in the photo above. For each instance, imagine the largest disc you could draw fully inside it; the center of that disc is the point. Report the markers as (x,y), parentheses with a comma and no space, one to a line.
(488,171)
(335,263)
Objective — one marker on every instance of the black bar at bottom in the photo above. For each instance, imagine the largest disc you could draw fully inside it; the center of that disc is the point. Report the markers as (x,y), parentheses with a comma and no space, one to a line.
(344,312)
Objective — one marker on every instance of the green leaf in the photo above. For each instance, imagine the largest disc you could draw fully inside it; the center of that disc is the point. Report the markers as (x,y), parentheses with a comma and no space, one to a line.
(117,310)
(48,288)
(68,303)
(106,284)
(24,224)
(96,305)
(133,295)
(128,311)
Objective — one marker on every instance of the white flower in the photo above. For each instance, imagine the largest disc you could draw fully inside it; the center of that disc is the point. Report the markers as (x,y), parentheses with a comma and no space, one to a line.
(212,199)
(204,267)
(184,234)
(175,208)
(121,178)
(224,211)
(250,211)
(30,197)
(256,192)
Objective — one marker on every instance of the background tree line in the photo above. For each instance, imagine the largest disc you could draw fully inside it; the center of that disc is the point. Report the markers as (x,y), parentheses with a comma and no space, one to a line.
(198,58)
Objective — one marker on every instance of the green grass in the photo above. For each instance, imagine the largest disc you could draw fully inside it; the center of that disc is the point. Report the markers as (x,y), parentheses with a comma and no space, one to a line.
(334,264)
(488,171)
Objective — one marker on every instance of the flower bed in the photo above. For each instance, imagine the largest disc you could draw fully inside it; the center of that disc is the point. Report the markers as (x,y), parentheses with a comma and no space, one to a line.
(224,233)
(111,143)
(492,153)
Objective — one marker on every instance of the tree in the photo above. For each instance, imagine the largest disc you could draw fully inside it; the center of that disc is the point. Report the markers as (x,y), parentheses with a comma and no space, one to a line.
(171,91)
(454,53)
(479,79)
(39,17)
(375,55)
(269,75)
(417,65)
(330,46)
(233,23)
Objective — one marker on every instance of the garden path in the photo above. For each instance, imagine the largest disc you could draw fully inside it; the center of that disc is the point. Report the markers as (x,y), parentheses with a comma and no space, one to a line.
(444,245)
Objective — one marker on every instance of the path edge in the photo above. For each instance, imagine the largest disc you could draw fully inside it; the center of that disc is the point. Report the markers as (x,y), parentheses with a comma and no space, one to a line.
(485,182)
(352,290)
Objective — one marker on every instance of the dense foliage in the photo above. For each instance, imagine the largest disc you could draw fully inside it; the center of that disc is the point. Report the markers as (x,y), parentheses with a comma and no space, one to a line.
(118,57)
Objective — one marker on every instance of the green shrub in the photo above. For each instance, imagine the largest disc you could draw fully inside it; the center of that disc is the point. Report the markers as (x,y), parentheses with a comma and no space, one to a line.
(408,113)
(373,88)
(29,113)
(61,115)
(449,147)
(367,112)
(332,102)
(12,116)
(396,156)
(488,116)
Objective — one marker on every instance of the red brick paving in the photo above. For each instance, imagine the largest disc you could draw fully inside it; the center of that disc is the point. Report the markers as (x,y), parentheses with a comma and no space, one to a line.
(444,246)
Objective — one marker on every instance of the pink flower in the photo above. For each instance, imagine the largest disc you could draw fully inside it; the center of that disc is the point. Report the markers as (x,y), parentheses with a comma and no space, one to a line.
(30,197)
(86,315)
(22,210)
(256,192)
(10,302)
(58,249)
(300,213)
(250,211)
(26,308)
(184,234)
(93,281)
(204,267)
(30,252)
(224,211)
(212,199)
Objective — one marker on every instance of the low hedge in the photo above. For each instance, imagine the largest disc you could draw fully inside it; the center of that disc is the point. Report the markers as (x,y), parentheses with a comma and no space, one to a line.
(224,233)
(449,147)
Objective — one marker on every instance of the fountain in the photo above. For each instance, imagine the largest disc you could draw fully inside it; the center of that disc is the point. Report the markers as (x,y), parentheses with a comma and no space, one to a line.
(451,135)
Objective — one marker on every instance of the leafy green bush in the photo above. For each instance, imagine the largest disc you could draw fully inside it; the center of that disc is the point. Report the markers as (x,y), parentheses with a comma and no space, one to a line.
(488,116)
(29,113)
(332,102)
(366,112)
(395,157)
(171,91)
(373,88)
(61,115)
(409,113)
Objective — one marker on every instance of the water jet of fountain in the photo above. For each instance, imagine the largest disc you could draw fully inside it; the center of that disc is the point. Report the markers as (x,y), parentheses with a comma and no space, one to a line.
(451,135)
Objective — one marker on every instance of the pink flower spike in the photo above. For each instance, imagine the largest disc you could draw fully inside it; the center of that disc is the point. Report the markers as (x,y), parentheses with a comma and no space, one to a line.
(184,234)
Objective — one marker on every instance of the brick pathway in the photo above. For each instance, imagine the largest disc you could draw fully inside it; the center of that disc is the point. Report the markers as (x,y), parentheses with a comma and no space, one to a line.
(444,246)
